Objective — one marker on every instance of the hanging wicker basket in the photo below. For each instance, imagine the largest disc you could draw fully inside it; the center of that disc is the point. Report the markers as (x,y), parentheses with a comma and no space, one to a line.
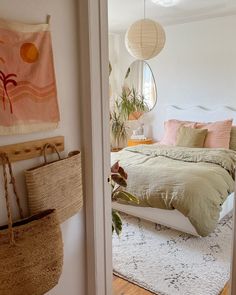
(56,185)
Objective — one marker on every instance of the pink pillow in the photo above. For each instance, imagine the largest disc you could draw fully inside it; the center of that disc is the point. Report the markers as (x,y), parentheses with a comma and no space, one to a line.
(218,133)
(171,128)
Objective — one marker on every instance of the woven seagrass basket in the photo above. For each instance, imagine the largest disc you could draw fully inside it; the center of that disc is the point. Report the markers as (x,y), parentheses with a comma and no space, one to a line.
(31,251)
(56,185)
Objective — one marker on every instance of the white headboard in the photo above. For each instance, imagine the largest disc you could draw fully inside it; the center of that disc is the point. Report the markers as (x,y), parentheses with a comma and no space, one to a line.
(200,114)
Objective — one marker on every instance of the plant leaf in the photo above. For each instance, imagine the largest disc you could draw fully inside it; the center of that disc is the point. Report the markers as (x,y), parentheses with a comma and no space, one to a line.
(116,222)
(119,179)
(123,195)
(110,68)
(122,173)
(127,73)
(115,167)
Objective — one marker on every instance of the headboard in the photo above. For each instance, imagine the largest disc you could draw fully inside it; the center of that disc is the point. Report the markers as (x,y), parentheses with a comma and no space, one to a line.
(200,113)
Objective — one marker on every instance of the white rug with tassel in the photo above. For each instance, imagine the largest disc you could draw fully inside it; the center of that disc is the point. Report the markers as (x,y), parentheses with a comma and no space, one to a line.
(168,262)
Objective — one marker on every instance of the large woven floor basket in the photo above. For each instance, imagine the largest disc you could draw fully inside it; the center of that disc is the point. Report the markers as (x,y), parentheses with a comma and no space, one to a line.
(56,185)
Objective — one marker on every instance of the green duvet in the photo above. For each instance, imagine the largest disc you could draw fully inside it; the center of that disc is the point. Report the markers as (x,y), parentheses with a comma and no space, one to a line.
(194,181)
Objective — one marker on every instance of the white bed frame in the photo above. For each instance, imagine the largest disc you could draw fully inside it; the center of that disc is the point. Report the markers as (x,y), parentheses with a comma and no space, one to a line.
(173,218)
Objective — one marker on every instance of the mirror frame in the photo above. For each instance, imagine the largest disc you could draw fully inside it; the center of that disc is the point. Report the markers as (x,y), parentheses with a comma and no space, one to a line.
(154,80)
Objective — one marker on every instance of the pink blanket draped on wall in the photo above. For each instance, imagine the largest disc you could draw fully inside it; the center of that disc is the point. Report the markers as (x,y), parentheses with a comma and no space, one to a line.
(28,95)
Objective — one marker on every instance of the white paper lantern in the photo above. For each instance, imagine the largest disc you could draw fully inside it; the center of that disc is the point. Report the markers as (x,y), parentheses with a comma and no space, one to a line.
(145,39)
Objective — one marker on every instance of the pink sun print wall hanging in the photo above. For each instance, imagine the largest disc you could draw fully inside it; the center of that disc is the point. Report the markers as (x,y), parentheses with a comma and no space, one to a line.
(28,95)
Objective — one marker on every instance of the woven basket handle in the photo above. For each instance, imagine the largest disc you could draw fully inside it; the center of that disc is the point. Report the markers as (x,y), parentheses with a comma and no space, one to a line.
(5,163)
(53,147)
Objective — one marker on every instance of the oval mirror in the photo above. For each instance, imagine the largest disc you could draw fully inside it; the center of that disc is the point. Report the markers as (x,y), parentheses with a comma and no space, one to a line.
(139,78)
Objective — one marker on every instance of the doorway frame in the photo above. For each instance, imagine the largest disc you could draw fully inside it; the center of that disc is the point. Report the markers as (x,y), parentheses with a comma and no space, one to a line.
(94,93)
(94,89)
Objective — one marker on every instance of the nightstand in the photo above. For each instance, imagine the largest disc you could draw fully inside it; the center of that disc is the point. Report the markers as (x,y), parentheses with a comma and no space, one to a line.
(132,142)
(115,150)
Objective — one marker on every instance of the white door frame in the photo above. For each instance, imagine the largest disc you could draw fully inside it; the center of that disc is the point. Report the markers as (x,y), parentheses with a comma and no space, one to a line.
(233,263)
(94,93)
(93,44)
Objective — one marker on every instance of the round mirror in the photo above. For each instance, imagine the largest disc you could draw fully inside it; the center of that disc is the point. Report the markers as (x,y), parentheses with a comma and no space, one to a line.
(139,78)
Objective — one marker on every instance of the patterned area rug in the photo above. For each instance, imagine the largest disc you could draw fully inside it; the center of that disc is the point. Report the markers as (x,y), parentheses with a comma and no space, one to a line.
(168,262)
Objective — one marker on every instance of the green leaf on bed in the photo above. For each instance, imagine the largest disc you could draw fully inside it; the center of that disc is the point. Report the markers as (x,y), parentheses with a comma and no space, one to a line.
(123,195)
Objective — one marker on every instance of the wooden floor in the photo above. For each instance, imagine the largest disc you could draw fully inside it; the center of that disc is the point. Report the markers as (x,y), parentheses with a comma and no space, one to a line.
(123,287)
(226,290)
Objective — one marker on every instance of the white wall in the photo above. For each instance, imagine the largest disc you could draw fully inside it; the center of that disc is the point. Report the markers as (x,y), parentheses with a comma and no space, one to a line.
(114,57)
(196,67)
(64,34)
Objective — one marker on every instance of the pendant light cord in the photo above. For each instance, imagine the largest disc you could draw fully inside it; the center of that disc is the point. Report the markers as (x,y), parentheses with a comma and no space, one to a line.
(144,8)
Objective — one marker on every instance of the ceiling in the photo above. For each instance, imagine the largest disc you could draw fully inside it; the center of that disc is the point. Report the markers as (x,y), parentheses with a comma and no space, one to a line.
(122,13)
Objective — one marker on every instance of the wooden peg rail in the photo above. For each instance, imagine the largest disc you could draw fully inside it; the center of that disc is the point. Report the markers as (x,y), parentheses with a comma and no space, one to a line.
(31,149)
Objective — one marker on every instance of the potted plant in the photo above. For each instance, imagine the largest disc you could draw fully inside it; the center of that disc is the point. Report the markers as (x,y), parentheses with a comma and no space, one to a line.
(131,102)
(118,128)
(118,182)
(130,105)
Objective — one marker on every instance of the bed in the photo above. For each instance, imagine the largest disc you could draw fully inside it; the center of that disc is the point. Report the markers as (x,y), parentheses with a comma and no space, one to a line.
(173,218)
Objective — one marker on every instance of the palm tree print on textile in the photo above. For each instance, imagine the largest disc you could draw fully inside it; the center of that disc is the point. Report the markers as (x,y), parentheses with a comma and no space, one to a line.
(6,80)
(28,92)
